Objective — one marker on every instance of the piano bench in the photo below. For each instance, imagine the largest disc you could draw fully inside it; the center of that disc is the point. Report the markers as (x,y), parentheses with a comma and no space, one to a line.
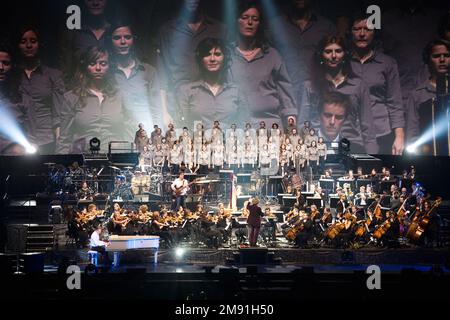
(93,257)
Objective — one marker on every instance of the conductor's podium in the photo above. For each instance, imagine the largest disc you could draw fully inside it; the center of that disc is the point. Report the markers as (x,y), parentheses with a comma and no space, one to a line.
(119,244)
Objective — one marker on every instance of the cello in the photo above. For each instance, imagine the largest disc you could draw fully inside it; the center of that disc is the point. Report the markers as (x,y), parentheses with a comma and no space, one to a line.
(418,227)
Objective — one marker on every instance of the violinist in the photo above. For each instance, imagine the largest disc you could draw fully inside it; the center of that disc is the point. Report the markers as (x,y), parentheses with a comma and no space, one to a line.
(223,224)
(159,228)
(119,219)
(361,197)
(208,232)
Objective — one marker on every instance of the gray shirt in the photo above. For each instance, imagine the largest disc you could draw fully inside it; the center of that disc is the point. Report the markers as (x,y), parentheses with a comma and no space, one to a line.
(358,127)
(42,94)
(404,37)
(297,46)
(177,43)
(107,121)
(418,110)
(140,92)
(197,103)
(267,85)
(380,73)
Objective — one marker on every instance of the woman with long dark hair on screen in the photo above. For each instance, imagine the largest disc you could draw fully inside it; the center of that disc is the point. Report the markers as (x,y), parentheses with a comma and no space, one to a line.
(136,80)
(42,89)
(212,97)
(94,107)
(422,105)
(258,69)
(332,73)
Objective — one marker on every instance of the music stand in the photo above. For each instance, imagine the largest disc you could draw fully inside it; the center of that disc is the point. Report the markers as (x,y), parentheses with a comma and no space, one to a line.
(289,201)
(386,185)
(362,182)
(327,184)
(333,201)
(241,199)
(317,201)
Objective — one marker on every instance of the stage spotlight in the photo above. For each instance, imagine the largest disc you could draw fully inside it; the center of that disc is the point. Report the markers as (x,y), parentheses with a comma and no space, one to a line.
(94,145)
(411,148)
(30,149)
(179,252)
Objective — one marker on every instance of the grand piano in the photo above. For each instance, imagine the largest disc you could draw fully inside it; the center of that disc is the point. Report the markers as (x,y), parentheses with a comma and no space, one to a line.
(118,244)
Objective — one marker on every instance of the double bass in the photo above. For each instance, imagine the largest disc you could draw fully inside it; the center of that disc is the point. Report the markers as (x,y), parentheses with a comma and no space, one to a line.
(418,227)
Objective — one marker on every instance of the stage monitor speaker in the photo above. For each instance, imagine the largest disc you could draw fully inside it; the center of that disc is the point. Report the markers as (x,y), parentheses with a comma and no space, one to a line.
(253,255)
(333,201)
(17,237)
(241,200)
(32,262)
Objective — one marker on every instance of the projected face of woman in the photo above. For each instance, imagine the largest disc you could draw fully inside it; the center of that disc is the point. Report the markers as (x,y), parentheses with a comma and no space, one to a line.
(29,44)
(249,22)
(439,59)
(98,69)
(214,60)
(5,65)
(333,55)
(122,40)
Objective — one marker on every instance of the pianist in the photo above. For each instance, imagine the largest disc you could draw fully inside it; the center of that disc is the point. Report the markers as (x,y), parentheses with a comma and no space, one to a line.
(98,245)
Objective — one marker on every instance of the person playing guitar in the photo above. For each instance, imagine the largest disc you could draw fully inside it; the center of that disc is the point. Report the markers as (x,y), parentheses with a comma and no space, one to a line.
(180,188)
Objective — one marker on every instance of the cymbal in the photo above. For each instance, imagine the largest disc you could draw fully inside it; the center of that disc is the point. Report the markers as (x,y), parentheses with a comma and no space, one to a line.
(115,168)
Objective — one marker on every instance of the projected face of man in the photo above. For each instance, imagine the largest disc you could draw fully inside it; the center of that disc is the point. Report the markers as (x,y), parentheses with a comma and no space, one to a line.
(122,40)
(5,65)
(214,60)
(333,55)
(29,44)
(301,5)
(362,36)
(439,59)
(95,7)
(191,5)
(332,118)
(249,23)
(98,69)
